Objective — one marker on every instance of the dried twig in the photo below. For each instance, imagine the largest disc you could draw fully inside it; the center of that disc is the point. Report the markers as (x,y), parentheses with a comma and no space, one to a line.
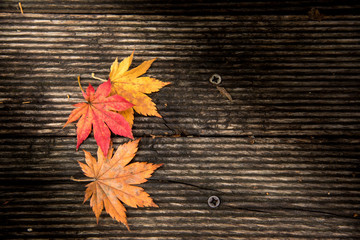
(22,12)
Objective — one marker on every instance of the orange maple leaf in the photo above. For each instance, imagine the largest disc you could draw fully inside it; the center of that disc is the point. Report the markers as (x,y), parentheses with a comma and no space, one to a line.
(134,88)
(112,181)
(98,112)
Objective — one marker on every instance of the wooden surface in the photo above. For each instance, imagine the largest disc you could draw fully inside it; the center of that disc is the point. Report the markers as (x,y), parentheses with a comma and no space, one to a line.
(283,156)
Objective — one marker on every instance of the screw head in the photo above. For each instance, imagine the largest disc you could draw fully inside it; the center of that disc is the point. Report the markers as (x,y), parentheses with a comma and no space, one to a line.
(215,79)
(214,201)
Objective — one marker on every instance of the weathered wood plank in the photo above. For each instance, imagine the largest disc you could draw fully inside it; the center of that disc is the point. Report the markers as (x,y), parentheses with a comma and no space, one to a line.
(287,187)
(283,157)
(181,7)
(287,75)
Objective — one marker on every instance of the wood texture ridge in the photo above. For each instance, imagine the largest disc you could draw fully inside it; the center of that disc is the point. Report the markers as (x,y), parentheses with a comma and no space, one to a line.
(182,7)
(283,156)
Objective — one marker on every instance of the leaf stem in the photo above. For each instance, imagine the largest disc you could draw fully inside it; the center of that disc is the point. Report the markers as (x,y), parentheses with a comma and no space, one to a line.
(93,76)
(82,180)
(80,84)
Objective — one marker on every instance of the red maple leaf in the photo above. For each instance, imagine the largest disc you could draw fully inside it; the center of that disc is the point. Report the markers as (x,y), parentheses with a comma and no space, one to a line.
(98,112)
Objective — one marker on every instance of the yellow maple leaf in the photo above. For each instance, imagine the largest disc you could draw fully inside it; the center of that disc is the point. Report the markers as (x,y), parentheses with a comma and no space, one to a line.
(129,84)
(112,180)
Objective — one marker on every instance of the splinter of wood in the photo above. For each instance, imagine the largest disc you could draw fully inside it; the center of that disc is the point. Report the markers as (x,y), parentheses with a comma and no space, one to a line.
(224,93)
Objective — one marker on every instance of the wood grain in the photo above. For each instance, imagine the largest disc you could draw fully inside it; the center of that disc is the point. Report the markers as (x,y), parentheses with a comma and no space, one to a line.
(283,156)
(282,187)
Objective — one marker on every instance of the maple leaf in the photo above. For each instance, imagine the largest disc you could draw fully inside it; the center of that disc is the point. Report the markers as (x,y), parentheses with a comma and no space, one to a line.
(98,113)
(112,181)
(134,88)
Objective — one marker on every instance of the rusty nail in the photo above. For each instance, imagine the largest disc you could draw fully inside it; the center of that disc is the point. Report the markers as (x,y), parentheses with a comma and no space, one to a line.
(215,79)
(214,201)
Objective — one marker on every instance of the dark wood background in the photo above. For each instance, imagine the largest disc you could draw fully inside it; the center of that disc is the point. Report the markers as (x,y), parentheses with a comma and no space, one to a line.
(283,156)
